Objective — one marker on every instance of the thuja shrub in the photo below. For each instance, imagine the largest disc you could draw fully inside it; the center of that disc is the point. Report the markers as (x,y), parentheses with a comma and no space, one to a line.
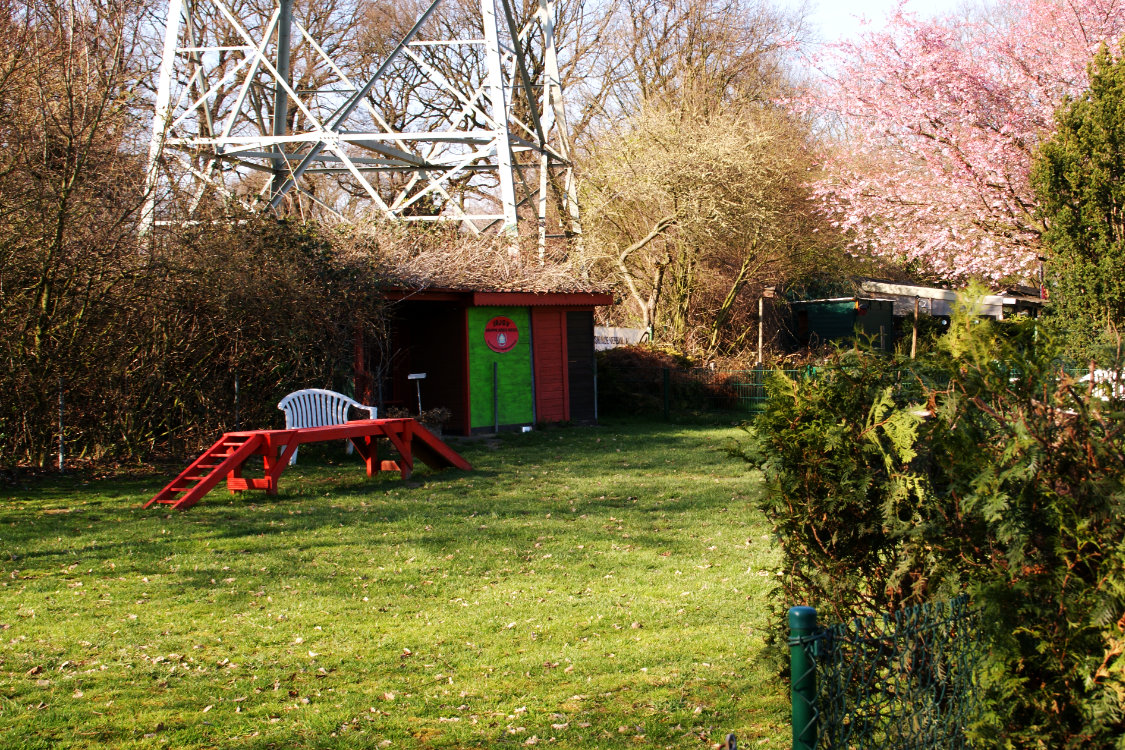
(835,503)
(979,467)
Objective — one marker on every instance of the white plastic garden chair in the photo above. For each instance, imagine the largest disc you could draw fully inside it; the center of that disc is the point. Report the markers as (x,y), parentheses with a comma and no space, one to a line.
(317,407)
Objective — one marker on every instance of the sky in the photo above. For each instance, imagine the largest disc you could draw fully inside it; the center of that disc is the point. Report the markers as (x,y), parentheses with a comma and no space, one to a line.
(832,20)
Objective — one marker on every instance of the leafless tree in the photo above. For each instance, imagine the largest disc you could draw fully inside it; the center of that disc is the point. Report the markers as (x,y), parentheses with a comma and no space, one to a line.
(69,190)
(693,174)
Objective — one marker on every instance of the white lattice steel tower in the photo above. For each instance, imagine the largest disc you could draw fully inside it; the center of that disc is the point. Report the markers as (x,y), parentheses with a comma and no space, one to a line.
(454,114)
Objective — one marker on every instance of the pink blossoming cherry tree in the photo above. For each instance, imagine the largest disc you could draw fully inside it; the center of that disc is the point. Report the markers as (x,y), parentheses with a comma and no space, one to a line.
(938,122)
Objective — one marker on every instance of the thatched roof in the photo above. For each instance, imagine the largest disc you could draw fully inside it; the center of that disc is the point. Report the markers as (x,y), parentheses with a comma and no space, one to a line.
(456,261)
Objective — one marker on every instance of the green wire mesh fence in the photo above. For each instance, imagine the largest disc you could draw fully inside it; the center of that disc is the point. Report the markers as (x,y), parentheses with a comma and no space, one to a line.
(906,681)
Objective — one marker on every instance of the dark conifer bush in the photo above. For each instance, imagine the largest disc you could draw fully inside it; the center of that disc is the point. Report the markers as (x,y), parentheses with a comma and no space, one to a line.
(979,467)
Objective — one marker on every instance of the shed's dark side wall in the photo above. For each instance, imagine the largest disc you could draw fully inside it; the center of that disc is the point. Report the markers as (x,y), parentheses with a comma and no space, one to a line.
(429,337)
(580,365)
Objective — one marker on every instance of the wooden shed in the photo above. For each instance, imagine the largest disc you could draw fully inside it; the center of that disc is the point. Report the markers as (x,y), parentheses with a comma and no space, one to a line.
(498,360)
(820,321)
(939,303)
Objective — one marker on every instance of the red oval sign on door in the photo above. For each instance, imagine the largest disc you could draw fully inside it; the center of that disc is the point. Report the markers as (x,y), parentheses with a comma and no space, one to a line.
(501,334)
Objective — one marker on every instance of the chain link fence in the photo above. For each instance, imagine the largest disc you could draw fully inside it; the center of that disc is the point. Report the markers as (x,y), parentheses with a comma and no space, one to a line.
(906,681)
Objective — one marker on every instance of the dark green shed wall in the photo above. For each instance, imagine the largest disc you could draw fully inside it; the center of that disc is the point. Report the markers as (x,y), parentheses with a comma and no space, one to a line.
(837,320)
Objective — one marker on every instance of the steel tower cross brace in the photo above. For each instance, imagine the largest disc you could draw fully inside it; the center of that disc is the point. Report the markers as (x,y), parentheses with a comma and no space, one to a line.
(461,119)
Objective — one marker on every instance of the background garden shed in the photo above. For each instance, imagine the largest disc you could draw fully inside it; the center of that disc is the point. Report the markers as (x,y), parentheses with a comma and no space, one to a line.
(939,303)
(495,359)
(819,321)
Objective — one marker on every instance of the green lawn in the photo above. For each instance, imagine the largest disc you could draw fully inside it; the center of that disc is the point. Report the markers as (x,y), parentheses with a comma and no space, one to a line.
(583,587)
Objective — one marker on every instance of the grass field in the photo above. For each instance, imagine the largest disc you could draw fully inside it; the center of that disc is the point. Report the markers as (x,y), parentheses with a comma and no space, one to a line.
(583,587)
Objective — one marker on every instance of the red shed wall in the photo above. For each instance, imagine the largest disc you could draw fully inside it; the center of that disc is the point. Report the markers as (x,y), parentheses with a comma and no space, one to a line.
(552,399)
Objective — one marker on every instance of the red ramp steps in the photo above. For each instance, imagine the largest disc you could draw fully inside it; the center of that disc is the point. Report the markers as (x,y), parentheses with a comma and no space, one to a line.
(227,457)
(224,458)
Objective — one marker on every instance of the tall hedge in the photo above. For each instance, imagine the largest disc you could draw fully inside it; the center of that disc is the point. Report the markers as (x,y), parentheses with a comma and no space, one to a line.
(203,333)
(979,467)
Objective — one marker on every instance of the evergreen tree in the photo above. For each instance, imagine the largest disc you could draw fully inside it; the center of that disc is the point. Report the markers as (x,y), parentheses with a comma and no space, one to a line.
(1079,176)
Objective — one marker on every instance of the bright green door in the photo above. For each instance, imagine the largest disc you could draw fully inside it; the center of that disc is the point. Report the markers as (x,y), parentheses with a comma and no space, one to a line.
(500,366)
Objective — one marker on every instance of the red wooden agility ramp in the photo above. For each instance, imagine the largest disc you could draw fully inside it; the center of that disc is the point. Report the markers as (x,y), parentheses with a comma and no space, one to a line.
(227,457)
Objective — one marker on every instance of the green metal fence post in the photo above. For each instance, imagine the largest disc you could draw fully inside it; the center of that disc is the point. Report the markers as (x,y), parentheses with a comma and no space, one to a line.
(802,622)
(667,395)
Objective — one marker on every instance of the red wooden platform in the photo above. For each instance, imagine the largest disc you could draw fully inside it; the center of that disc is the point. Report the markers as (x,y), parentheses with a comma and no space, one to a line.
(229,455)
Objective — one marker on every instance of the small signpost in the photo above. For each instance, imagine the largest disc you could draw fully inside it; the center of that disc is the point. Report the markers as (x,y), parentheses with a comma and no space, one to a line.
(418,377)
